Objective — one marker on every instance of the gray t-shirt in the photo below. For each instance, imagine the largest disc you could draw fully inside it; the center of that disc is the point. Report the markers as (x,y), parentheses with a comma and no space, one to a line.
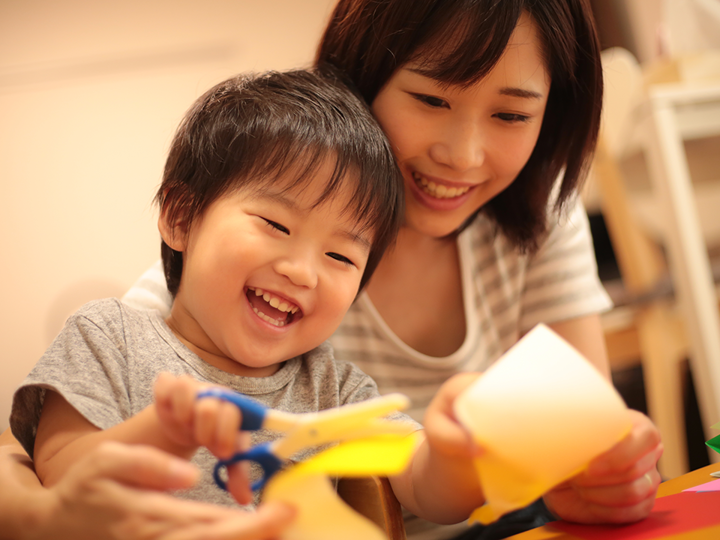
(106,359)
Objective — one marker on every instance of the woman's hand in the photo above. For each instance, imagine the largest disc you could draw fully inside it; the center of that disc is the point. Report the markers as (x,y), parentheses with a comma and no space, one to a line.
(115,492)
(441,484)
(619,486)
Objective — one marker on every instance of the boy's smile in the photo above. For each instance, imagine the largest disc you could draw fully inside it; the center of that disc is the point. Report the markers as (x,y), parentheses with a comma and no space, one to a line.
(271,308)
(267,274)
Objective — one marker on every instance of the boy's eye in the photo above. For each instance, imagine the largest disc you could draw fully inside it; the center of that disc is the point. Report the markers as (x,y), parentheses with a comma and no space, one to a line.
(512,117)
(431,101)
(340,258)
(277,226)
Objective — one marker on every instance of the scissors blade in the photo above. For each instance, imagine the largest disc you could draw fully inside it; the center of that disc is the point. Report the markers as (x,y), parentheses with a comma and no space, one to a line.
(341,423)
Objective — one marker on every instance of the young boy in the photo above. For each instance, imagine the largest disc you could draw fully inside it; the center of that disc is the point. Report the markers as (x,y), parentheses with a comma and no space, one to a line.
(279,197)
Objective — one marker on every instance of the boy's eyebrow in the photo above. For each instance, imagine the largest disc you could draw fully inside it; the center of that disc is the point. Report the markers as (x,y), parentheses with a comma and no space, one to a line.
(291,204)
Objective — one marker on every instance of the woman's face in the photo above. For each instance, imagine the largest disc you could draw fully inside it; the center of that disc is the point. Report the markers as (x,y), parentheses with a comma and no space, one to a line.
(457,146)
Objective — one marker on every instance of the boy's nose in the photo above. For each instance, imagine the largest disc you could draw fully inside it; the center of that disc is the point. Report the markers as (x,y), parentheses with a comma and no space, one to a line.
(299,268)
(462,147)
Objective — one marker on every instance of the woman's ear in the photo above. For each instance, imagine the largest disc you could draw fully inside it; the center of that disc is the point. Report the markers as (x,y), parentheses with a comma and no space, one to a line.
(174,233)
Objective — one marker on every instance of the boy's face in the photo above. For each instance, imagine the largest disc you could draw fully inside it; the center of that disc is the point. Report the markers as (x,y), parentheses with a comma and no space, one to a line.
(266,277)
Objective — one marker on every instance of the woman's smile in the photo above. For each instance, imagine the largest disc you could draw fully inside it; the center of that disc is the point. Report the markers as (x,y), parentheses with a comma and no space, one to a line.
(458,146)
(438,190)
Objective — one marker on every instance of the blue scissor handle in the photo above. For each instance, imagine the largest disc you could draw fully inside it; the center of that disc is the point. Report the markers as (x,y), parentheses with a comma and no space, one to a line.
(261,454)
(253,416)
(253,413)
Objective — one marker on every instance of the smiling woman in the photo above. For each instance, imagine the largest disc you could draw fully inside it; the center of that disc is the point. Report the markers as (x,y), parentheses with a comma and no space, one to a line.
(459,146)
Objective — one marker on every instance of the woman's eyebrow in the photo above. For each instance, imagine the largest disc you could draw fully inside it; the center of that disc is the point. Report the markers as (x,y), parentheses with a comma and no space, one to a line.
(513,91)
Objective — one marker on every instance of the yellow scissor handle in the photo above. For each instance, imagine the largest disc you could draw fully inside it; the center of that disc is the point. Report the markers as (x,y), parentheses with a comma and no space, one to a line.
(342,423)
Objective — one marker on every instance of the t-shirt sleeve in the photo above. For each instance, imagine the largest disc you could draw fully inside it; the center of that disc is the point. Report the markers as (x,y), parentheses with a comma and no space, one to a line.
(150,291)
(561,278)
(85,365)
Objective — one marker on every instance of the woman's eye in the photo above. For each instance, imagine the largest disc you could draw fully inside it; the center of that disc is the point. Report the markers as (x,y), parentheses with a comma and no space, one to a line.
(512,117)
(340,258)
(277,226)
(432,101)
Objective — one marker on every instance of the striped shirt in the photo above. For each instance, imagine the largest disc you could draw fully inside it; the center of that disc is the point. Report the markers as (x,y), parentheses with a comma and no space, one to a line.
(505,294)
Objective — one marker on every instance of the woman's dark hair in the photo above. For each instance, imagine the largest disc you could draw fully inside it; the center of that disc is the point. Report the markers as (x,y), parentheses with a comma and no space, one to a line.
(253,130)
(459,42)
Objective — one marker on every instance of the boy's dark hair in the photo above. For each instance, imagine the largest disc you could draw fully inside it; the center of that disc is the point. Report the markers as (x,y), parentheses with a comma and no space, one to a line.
(257,128)
(458,42)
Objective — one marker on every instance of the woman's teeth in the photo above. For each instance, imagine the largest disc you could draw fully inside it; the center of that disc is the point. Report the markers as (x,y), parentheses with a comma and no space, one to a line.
(438,191)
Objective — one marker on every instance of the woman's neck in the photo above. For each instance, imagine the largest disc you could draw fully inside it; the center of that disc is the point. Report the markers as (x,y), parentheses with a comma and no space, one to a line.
(417,289)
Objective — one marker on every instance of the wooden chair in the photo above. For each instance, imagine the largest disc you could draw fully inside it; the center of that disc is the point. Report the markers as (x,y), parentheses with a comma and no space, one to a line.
(656,332)
(652,331)
(373,498)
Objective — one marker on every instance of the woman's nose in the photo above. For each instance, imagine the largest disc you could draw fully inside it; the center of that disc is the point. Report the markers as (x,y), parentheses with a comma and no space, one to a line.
(299,268)
(460,147)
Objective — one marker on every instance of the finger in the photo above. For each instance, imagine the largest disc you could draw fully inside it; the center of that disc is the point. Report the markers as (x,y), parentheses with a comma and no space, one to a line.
(627,494)
(154,514)
(174,427)
(161,388)
(646,464)
(183,399)
(140,466)
(227,429)
(604,505)
(265,524)
(643,439)
(206,414)
(443,430)
(238,484)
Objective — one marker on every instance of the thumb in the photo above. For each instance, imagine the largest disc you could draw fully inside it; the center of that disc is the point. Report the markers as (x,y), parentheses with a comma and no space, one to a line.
(444,432)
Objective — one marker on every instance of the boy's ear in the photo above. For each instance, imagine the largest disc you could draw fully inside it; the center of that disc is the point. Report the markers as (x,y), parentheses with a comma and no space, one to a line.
(174,233)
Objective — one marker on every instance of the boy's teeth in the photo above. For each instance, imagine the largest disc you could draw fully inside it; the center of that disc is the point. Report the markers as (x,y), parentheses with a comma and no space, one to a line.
(268,319)
(276,302)
(439,191)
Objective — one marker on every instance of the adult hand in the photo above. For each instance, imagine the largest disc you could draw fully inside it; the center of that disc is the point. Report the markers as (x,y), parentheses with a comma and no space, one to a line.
(442,429)
(116,493)
(619,486)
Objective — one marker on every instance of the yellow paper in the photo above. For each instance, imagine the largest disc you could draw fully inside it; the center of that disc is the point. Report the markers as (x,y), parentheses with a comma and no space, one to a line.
(383,455)
(321,513)
(542,412)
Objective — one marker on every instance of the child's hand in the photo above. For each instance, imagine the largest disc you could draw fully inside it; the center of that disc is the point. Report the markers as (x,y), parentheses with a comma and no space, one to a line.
(619,486)
(208,422)
(193,422)
(443,431)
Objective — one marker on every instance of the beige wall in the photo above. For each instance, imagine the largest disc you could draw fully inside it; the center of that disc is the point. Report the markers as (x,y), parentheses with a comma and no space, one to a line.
(90,94)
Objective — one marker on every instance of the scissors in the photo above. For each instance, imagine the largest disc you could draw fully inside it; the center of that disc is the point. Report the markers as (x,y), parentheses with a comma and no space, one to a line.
(354,421)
